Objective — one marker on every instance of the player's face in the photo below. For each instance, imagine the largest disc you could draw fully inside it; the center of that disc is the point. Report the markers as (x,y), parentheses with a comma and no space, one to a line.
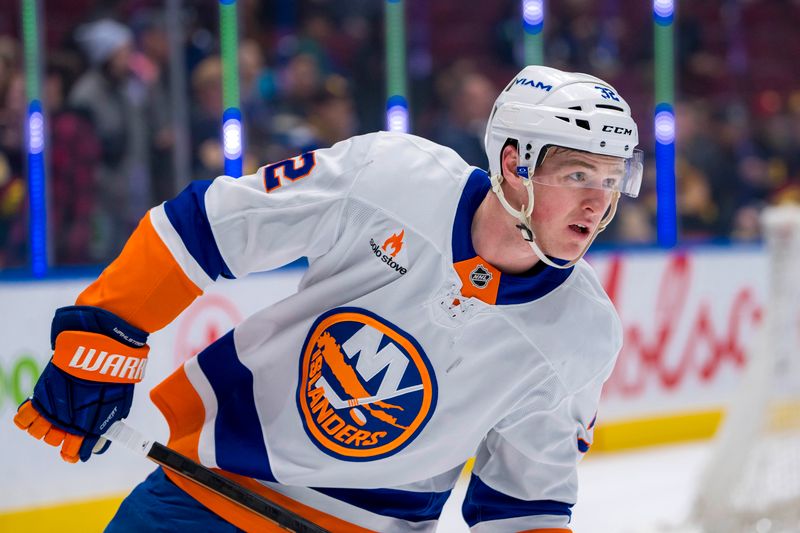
(572,192)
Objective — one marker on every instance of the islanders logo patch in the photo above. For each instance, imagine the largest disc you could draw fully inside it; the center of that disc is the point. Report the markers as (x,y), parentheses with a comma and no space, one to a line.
(366,387)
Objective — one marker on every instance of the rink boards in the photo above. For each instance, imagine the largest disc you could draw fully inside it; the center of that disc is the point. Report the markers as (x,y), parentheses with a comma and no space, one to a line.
(689,318)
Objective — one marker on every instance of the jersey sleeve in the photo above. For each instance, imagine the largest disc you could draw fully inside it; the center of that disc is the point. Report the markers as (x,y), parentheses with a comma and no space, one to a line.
(525,474)
(228,227)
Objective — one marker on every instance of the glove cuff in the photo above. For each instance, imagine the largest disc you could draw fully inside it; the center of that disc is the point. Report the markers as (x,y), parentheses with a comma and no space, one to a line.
(96,320)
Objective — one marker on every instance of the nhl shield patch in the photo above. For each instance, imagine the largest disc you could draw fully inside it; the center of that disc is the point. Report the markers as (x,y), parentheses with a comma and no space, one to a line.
(480,277)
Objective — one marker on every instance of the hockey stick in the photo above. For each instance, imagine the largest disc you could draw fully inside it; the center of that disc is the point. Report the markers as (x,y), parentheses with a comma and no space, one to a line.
(128,437)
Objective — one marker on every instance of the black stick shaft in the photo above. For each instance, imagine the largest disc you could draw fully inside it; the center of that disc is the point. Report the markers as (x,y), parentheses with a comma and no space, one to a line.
(182,465)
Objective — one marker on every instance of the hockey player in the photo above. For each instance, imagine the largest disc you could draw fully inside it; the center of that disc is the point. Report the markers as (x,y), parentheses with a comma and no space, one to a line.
(445,313)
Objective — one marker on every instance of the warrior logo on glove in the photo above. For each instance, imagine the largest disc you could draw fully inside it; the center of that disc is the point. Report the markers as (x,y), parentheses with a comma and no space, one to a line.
(98,358)
(366,387)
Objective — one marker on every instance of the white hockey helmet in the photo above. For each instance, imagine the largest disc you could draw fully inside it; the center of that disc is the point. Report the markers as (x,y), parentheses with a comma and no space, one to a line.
(543,107)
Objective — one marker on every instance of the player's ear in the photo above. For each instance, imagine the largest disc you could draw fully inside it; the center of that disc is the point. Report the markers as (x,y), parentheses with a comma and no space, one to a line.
(508,164)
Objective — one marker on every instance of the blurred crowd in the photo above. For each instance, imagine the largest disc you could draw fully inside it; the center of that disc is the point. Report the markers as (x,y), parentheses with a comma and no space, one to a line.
(312,73)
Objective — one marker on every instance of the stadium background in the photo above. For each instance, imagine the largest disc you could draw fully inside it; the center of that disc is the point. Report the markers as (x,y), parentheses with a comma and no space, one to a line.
(314,72)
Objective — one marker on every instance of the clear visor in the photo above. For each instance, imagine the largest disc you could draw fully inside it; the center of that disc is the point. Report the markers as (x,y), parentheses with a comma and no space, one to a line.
(572,168)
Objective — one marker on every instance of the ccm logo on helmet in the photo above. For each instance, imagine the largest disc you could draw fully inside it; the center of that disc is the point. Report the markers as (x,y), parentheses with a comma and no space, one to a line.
(366,387)
(617,129)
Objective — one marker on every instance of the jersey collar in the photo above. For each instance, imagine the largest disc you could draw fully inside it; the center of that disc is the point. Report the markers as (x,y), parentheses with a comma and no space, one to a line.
(478,277)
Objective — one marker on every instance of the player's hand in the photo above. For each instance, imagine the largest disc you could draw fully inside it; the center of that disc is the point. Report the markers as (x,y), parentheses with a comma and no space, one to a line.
(87,385)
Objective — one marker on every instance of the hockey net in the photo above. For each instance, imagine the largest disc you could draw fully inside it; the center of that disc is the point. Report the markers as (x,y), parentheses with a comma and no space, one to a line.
(752,480)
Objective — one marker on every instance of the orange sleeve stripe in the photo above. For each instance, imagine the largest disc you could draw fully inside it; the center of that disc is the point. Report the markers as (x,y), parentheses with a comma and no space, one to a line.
(144,285)
(184,411)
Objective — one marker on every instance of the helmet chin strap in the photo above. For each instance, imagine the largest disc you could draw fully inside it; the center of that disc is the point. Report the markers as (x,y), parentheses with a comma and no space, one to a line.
(525,226)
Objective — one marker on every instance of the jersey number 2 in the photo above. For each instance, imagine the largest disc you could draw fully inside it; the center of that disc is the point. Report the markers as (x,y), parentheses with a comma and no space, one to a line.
(292,169)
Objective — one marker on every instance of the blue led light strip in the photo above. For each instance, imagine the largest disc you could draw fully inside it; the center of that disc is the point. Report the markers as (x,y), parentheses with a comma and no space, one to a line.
(664,123)
(232,143)
(666,210)
(35,139)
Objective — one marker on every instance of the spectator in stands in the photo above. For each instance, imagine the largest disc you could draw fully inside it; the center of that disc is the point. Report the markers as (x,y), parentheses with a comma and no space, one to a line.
(206,116)
(331,117)
(150,62)
(115,102)
(747,222)
(12,215)
(702,152)
(9,63)
(257,90)
(300,80)
(634,225)
(13,191)
(698,214)
(75,156)
(468,97)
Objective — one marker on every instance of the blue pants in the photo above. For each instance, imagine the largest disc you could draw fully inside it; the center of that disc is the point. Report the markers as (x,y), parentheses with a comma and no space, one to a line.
(157,505)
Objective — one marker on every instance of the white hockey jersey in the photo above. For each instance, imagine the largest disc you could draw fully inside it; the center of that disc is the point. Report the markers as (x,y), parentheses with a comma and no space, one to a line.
(357,400)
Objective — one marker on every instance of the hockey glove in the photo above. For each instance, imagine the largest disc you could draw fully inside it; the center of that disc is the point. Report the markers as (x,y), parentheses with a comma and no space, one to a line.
(88,383)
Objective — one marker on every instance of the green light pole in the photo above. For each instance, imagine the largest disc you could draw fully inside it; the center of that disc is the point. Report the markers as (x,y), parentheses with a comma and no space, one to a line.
(397,116)
(232,136)
(664,123)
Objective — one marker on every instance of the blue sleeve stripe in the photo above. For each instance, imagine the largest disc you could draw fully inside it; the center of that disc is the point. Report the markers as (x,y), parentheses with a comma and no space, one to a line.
(482,503)
(583,446)
(240,444)
(187,214)
(400,504)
